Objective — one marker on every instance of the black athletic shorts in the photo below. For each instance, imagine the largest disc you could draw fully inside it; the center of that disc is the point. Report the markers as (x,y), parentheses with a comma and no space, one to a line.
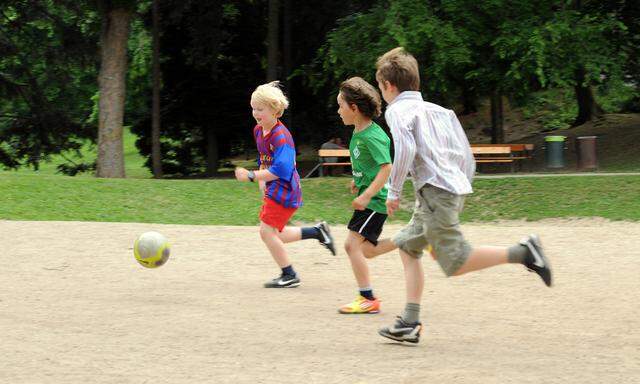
(368,224)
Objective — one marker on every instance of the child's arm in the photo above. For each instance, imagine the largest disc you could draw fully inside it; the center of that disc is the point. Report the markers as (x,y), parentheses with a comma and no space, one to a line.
(262,184)
(283,165)
(263,175)
(405,151)
(361,202)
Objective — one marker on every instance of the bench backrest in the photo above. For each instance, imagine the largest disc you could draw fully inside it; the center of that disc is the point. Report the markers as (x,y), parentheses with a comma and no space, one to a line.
(514,147)
(333,153)
(490,150)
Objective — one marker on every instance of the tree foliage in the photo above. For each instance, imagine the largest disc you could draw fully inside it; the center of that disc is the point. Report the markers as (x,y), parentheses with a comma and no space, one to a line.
(213,54)
(47,77)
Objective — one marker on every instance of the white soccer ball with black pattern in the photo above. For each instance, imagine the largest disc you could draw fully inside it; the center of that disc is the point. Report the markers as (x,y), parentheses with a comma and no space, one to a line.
(151,249)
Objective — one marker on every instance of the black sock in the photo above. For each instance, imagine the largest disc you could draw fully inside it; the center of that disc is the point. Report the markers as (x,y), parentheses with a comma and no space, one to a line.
(310,233)
(367,294)
(288,270)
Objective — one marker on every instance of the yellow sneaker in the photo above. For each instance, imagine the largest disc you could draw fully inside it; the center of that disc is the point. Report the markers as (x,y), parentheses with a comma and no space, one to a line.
(361,305)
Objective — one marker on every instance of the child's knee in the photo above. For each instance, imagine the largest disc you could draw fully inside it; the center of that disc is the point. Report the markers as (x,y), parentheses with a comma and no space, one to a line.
(368,254)
(349,246)
(266,232)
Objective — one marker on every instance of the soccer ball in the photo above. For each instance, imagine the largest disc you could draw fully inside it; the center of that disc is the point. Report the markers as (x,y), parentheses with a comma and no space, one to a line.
(151,249)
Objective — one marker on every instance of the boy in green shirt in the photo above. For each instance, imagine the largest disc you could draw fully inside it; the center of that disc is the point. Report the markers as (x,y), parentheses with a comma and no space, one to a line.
(358,103)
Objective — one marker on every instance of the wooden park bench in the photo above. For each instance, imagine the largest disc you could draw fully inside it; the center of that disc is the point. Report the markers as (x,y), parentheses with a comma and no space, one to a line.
(512,154)
(323,154)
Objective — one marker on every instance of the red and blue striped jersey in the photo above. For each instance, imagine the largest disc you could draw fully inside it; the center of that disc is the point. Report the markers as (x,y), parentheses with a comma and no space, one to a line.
(277,153)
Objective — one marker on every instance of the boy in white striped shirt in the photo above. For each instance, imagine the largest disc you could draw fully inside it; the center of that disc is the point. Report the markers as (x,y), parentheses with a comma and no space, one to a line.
(431,145)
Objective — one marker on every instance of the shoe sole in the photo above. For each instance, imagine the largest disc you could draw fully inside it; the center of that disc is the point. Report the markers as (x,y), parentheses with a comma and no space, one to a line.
(283,286)
(358,313)
(400,339)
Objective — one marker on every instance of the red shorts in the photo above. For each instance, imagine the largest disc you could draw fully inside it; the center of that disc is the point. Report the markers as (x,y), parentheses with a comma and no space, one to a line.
(274,214)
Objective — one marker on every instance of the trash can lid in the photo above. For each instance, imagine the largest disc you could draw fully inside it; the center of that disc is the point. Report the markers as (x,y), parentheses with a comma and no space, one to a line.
(587,137)
(554,138)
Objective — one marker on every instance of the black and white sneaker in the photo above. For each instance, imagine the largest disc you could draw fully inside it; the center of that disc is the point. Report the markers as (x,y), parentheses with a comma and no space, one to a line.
(325,237)
(535,260)
(402,331)
(283,281)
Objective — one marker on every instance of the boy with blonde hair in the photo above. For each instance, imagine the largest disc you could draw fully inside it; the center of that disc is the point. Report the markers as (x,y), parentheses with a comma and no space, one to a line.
(280,183)
(431,145)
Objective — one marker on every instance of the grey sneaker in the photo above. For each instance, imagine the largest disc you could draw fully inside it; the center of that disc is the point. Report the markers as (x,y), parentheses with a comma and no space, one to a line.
(536,260)
(402,331)
(325,237)
(283,281)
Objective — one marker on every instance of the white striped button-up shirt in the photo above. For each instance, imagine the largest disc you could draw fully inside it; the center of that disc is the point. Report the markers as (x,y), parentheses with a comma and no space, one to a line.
(430,144)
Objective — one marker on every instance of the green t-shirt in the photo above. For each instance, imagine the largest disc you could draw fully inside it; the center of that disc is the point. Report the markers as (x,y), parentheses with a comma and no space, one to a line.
(369,149)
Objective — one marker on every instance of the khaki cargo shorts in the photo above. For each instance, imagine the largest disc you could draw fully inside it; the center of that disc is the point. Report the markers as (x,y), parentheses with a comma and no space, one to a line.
(435,222)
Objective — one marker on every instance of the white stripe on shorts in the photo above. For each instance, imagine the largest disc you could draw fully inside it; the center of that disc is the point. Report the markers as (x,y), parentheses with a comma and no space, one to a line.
(366,221)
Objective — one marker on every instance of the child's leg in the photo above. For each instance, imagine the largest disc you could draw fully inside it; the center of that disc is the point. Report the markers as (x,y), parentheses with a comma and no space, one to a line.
(270,238)
(353,245)
(319,232)
(366,302)
(290,234)
(528,252)
(407,327)
(414,277)
(483,257)
(384,246)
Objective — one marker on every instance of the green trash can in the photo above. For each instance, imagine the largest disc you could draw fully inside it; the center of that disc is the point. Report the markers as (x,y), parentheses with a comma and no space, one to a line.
(554,151)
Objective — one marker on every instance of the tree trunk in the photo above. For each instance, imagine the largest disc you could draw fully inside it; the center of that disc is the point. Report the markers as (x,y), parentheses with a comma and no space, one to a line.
(272,40)
(287,61)
(212,152)
(468,101)
(588,109)
(497,118)
(156,160)
(112,85)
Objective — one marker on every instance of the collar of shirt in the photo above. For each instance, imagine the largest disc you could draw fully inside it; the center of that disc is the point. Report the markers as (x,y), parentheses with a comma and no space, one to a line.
(408,95)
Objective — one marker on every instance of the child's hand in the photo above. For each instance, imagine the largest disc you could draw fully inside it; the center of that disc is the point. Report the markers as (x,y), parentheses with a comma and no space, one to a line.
(392,206)
(360,202)
(263,186)
(242,174)
(352,187)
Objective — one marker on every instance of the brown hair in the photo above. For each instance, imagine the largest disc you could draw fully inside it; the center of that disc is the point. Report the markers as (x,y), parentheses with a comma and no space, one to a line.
(356,90)
(399,68)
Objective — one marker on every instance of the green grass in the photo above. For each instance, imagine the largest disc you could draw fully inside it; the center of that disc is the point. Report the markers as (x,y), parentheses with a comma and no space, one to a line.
(611,197)
(133,162)
(228,202)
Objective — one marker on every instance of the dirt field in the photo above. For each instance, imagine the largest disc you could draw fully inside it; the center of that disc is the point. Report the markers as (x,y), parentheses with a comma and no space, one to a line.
(76,308)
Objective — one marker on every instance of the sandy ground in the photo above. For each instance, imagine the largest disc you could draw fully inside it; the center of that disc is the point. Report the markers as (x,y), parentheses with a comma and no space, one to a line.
(76,308)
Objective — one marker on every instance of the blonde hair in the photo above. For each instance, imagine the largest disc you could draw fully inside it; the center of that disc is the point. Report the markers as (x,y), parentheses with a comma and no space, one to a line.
(399,68)
(357,91)
(271,95)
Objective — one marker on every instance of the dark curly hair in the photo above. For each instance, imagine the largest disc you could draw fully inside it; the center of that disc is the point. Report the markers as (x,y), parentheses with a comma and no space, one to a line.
(356,90)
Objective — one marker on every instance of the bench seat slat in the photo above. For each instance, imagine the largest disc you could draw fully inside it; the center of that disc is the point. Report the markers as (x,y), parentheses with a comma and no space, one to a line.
(333,153)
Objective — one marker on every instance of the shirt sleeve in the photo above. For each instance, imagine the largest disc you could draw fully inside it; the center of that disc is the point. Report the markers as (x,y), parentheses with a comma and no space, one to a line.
(379,147)
(405,149)
(284,157)
(469,163)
